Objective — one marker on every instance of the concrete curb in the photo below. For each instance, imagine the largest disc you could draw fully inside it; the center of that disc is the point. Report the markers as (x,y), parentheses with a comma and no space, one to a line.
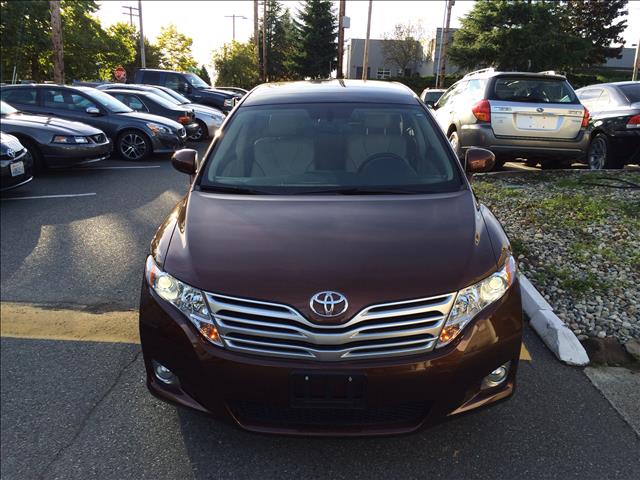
(554,333)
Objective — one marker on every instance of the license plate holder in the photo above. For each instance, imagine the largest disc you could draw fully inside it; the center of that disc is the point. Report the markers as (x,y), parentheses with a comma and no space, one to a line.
(17,169)
(328,390)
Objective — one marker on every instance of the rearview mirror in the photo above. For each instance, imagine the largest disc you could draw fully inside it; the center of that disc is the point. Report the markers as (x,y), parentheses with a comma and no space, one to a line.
(185,161)
(478,160)
(93,111)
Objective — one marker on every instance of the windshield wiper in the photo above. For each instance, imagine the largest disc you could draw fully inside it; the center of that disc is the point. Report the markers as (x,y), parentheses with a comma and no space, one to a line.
(234,189)
(366,191)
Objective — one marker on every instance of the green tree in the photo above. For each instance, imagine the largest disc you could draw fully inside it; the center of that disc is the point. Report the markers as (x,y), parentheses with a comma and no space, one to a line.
(175,49)
(599,22)
(317,47)
(236,65)
(280,42)
(204,75)
(517,35)
(122,46)
(90,52)
(403,49)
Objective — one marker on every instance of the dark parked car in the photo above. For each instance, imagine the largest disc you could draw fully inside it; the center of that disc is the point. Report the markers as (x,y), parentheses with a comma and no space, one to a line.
(54,142)
(15,163)
(209,119)
(431,95)
(615,123)
(135,135)
(149,102)
(330,271)
(189,85)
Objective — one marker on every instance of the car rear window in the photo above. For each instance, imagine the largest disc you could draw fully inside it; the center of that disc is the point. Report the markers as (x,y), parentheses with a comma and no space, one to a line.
(632,92)
(332,148)
(533,90)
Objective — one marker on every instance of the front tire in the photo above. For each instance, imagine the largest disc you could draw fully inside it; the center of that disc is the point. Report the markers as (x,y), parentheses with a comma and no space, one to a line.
(201,134)
(39,166)
(133,145)
(599,154)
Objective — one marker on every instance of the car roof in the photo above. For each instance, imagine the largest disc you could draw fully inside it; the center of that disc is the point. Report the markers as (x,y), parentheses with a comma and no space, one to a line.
(610,84)
(315,91)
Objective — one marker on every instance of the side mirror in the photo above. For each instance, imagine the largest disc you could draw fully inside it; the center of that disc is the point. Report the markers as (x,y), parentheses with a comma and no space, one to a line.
(185,161)
(478,160)
(93,111)
(434,105)
(429,103)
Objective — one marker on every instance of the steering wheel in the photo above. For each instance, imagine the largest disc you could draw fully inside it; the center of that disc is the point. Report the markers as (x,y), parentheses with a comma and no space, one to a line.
(376,157)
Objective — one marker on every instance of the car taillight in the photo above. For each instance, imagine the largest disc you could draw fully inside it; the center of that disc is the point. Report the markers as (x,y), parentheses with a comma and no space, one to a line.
(634,122)
(482,110)
(585,118)
(184,120)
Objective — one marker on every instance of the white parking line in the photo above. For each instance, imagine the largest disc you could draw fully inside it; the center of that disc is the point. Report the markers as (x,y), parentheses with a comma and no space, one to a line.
(120,168)
(69,195)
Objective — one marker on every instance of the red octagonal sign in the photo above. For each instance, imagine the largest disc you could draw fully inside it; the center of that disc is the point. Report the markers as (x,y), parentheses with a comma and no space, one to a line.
(120,73)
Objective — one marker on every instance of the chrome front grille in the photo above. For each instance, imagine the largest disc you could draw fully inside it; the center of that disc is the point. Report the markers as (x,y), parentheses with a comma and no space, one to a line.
(384,330)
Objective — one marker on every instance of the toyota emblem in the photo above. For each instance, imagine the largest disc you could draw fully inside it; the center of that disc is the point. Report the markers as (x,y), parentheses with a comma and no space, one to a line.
(328,304)
(11,153)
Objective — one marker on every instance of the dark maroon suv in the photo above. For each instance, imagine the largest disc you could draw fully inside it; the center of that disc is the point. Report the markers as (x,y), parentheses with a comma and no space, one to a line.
(330,271)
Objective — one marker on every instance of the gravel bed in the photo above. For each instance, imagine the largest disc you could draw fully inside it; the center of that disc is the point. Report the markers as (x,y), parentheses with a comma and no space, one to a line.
(577,242)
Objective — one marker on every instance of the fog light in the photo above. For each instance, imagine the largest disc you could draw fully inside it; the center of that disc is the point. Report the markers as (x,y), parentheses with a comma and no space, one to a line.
(497,377)
(164,374)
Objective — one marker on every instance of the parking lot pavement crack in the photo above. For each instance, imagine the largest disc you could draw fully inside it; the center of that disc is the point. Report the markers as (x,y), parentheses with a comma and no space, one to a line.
(85,420)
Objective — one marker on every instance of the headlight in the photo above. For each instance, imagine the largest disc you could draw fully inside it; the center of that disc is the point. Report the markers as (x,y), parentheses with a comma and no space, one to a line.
(156,129)
(69,139)
(228,102)
(472,300)
(190,301)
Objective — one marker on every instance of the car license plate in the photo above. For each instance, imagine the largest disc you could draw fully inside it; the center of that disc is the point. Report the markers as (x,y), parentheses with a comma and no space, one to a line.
(17,168)
(328,390)
(536,122)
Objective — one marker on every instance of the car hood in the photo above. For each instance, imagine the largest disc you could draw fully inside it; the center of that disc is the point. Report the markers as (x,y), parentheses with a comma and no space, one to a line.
(9,142)
(372,249)
(149,117)
(204,109)
(56,125)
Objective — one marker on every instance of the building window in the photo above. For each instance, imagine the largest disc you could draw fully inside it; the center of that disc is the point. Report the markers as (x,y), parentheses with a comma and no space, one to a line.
(383,74)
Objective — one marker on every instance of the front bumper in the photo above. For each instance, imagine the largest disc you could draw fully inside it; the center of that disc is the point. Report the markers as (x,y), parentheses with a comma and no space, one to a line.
(169,142)
(481,135)
(60,155)
(8,180)
(402,393)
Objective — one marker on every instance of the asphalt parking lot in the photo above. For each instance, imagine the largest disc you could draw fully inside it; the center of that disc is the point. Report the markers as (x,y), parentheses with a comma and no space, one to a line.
(76,408)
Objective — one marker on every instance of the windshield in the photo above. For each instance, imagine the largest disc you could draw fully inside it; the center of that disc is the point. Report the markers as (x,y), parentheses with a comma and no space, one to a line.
(7,109)
(181,99)
(196,81)
(432,96)
(534,90)
(342,148)
(107,101)
(164,95)
(631,91)
(162,101)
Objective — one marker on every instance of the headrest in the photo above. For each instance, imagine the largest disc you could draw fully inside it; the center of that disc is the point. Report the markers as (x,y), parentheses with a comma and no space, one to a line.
(382,121)
(287,123)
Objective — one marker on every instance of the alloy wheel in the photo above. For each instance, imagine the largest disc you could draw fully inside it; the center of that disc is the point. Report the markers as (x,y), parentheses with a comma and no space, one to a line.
(133,146)
(198,134)
(597,154)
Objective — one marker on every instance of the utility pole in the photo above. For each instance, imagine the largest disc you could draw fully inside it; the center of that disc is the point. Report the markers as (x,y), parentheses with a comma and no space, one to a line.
(365,61)
(264,41)
(445,42)
(636,62)
(130,13)
(255,29)
(143,61)
(56,39)
(341,13)
(234,16)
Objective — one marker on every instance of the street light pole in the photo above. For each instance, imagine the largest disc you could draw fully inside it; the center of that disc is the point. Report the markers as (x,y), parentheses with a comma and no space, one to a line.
(365,61)
(341,13)
(143,62)
(233,17)
(443,60)
(636,62)
(264,40)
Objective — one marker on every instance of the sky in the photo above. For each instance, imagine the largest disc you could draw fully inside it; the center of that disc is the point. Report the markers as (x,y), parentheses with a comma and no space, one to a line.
(205,21)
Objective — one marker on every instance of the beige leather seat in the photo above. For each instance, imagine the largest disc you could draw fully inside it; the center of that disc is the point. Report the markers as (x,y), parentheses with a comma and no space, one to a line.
(382,132)
(285,149)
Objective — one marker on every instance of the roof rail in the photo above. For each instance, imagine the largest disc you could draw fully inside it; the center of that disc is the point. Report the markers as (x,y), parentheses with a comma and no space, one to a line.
(478,72)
